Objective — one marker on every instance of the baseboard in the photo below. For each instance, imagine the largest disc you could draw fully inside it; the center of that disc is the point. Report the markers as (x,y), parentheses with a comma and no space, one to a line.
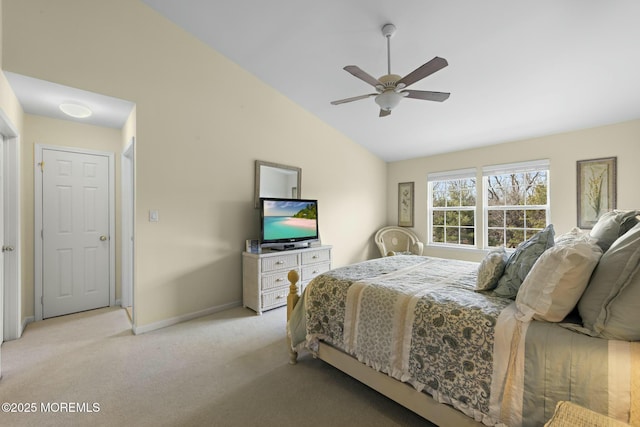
(137,330)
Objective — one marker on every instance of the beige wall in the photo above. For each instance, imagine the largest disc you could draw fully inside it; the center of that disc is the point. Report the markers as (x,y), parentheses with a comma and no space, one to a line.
(62,133)
(201,122)
(9,103)
(563,150)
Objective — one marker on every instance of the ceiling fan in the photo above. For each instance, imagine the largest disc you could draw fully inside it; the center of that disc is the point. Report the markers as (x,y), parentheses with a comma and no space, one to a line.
(391,87)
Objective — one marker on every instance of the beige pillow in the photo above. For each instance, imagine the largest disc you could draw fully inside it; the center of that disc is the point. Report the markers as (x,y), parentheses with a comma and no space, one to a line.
(491,269)
(557,279)
(610,306)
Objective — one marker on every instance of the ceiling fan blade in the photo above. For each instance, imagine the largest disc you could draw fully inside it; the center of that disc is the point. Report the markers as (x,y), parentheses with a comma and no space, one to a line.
(362,75)
(355,98)
(423,71)
(384,113)
(427,95)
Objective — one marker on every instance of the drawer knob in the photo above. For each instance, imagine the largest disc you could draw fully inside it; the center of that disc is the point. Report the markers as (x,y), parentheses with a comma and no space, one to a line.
(280,297)
(315,271)
(315,256)
(279,279)
(279,262)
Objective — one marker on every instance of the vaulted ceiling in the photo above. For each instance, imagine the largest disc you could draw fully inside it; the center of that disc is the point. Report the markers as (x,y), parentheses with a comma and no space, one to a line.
(516,70)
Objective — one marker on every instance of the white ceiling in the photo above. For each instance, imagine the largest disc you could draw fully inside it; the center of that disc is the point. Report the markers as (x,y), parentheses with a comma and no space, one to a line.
(43,98)
(516,69)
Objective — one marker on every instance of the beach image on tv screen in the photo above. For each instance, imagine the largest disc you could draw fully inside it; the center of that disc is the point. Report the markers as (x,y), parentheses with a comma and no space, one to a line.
(289,219)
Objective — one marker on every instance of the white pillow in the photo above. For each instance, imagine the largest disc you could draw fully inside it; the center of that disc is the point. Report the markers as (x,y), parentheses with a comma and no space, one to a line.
(491,269)
(557,280)
(572,235)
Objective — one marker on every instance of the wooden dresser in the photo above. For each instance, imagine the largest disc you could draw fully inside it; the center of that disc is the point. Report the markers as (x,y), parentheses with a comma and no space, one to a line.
(264,275)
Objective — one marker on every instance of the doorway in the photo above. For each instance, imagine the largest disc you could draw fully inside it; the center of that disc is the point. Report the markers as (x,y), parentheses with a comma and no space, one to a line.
(74,236)
(10,302)
(128,215)
(10,311)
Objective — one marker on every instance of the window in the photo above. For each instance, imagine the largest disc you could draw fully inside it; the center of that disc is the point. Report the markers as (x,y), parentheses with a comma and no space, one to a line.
(516,202)
(452,207)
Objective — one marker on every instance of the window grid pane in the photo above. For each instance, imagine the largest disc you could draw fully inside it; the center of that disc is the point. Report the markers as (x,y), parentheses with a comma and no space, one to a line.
(453,204)
(517,207)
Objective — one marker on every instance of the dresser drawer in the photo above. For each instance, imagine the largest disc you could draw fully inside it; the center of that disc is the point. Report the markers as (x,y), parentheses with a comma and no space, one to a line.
(276,280)
(265,282)
(315,256)
(312,271)
(275,298)
(279,262)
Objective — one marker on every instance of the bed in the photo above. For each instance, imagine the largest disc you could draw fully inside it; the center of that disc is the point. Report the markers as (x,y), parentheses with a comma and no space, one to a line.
(419,330)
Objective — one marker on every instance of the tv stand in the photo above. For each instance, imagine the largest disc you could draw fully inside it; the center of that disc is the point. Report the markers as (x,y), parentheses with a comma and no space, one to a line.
(264,275)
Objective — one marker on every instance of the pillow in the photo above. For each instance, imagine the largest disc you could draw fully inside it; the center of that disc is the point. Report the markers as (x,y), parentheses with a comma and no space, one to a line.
(557,280)
(491,268)
(610,306)
(612,225)
(521,261)
(572,235)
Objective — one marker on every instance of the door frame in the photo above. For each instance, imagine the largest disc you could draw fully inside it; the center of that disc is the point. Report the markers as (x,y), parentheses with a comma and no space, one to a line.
(37,233)
(11,311)
(127,182)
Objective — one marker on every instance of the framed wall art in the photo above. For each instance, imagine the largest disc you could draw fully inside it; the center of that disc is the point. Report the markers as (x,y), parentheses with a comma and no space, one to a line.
(596,189)
(405,204)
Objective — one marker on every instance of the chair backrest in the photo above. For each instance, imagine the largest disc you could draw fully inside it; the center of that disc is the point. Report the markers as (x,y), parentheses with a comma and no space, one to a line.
(391,240)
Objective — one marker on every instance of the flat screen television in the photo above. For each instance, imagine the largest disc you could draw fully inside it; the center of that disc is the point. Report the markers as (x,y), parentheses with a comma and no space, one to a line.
(288,223)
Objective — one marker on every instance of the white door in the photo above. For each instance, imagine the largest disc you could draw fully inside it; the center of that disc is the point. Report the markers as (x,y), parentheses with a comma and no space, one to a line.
(75,232)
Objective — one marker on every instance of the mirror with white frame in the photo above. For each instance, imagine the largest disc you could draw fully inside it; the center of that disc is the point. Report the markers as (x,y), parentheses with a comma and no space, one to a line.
(276,180)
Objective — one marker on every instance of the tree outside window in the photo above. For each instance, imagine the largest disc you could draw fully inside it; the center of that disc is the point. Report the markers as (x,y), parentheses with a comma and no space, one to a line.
(453,211)
(517,206)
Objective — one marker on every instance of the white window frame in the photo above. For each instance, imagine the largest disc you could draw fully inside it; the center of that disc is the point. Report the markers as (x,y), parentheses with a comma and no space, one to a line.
(449,176)
(521,167)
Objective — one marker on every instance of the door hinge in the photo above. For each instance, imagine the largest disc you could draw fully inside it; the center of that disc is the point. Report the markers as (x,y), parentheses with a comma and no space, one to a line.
(41,164)
(41,300)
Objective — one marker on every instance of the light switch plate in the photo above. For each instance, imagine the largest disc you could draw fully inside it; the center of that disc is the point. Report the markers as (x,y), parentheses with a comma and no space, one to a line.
(153,215)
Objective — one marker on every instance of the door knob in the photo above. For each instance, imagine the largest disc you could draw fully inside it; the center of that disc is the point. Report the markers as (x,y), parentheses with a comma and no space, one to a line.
(103,238)
(7,249)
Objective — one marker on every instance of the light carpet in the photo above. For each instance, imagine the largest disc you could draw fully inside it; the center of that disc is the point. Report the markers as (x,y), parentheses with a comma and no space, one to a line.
(226,369)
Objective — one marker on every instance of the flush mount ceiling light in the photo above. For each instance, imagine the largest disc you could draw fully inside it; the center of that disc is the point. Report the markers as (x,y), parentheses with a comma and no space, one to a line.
(75,110)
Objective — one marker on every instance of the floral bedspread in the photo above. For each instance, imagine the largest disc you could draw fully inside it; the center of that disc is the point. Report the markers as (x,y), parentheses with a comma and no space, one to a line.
(415,318)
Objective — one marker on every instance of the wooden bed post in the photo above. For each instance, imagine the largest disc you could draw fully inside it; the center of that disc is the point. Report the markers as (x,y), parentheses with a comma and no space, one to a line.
(292,300)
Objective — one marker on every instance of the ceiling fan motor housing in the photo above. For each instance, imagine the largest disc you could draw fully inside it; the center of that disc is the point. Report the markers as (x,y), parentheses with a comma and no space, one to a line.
(389,81)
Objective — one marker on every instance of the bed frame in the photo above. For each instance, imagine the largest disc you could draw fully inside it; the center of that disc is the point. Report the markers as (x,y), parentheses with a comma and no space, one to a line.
(402,393)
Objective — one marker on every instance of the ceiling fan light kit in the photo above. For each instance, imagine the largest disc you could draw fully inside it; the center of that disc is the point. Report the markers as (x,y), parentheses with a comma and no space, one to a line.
(390,86)
(388,100)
